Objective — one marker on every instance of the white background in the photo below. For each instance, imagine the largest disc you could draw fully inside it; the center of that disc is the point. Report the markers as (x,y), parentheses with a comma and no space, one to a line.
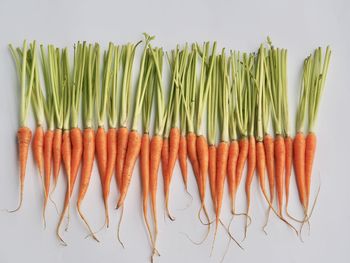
(299,26)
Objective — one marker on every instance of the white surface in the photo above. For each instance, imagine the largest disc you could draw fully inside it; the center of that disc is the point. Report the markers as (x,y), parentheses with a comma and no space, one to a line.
(299,26)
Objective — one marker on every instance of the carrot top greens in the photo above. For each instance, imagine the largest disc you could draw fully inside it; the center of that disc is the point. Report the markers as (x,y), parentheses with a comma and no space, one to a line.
(128,55)
(240,93)
(21,60)
(213,104)
(113,94)
(249,68)
(102,93)
(316,83)
(145,72)
(148,100)
(204,82)
(67,88)
(223,96)
(260,88)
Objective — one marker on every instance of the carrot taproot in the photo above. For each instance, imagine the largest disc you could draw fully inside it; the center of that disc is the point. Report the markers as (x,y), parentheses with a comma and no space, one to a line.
(88,133)
(38,149)
(269,144)
(317,83)
(212,173)
(56,155)
(112,131)
(88,159)
(122,139)
(48,141)
(76,137)
(101,153)
(24,134)
(182,157)
(280,162)
(231,172)
(288,142)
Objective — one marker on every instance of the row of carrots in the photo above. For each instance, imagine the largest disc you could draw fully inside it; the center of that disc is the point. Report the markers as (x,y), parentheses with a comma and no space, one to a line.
(239,94)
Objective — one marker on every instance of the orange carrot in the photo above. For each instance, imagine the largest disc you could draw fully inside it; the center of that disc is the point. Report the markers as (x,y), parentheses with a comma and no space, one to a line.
(242,158)
(299,146)
(48,140)
(122,138)
(203,162)
(174,141)
(67,160)
(182,156)
(310,150)
(24,134)
(133,150)
(192,156)
(221,169)
(212,173)
(110,166)
(155,158)
(252,160)
(101,153)
(270,163)
(76,138)
(280,161)
(231,172)
(38,149)
(288,141)
(56,154)
(88,160)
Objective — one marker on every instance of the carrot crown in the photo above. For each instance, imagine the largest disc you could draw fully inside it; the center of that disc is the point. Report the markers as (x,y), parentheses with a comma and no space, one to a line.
(21,61)
(240,93)
(78,80)
(128,55)
(204,83)
(316,83)
(223,92)
(103,92)
(145,72)
(113,101)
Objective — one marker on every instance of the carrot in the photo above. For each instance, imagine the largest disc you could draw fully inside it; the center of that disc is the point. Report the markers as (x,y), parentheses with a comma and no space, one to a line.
(134,138)
(24,134)
(269,146)
(56,154)
(280,157)
(202,96)
(288,142)
(157,139)
(38,149)
(66,149)
(89,133)
(112,131)
(299,165)
(182,156)
(48,141)
(211,127)
(76,135)
(316,88)
(102,96)
(212,173)
(123,132)
(233,153)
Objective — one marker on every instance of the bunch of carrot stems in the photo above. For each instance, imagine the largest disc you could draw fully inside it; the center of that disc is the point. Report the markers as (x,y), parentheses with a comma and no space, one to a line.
(241,93)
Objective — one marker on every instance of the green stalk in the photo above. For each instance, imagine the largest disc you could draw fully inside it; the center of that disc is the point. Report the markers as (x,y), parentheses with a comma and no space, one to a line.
(128,59)
(25,90)
(147,104)
(67,88)
(317,84)
(213,104)
(204,83)
(240,93)
(260,81)
(142,83)
(113,98)
(232,99)
(223,93)
(285,106)
(251,94)
(102,94)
